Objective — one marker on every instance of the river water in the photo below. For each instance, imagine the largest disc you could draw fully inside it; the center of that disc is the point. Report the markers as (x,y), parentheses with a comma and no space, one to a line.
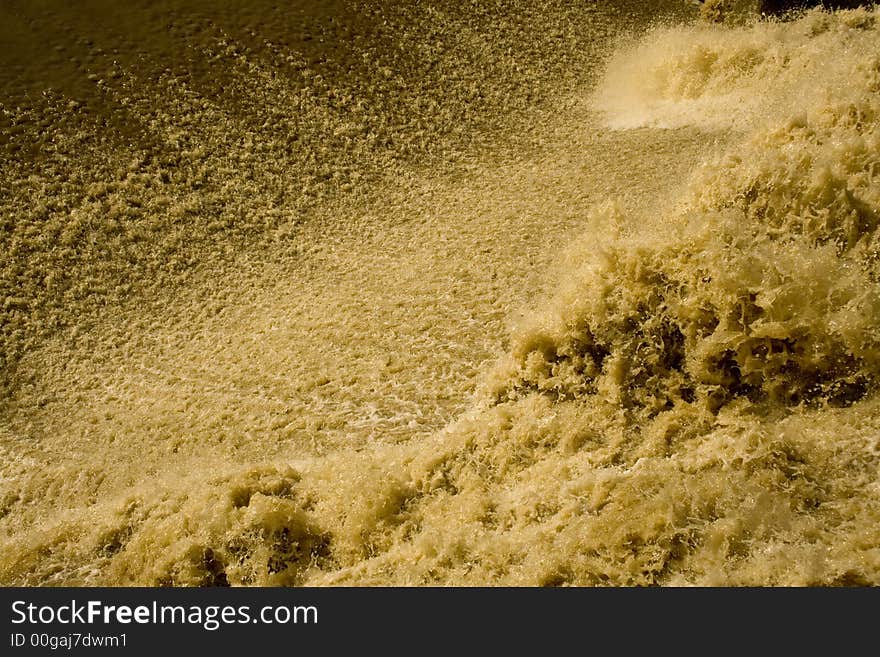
(374,293)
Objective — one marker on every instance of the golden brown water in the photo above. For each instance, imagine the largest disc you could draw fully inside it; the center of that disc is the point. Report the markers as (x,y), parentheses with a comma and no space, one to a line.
(528,294)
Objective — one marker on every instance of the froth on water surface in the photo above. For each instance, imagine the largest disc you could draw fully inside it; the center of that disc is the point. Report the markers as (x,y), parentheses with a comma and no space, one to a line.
(515,310)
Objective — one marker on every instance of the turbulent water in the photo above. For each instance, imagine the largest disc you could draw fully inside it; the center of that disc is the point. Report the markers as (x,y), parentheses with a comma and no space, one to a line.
(522,293)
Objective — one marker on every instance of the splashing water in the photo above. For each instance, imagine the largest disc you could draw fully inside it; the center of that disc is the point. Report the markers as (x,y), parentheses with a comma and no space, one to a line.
(687,394)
